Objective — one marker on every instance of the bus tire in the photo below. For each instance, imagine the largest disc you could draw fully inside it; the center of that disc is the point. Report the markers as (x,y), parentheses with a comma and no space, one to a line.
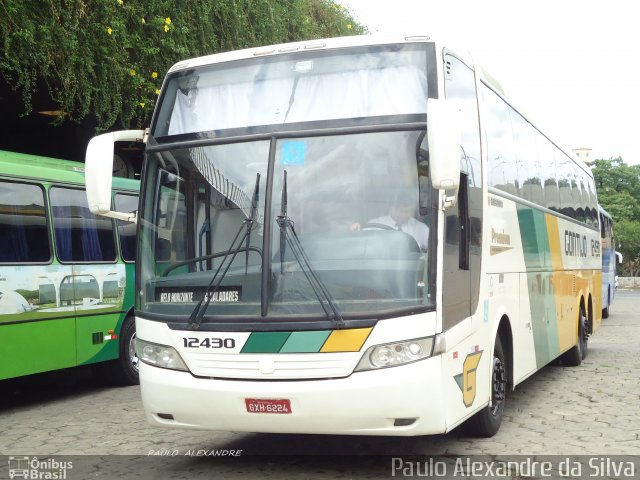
(578,352)
(122,167)
(487,421)
(125,368)
(605,310)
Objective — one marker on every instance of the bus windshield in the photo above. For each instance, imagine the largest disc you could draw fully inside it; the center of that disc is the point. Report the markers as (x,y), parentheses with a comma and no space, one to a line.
(346,83)
(359,206)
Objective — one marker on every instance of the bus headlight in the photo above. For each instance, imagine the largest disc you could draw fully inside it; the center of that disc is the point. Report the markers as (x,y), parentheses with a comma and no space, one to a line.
(161,356)
(393,354)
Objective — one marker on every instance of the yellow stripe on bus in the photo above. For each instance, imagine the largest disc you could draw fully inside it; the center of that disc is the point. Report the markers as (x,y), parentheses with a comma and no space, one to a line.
(554,242)
(563,289)
(346,340)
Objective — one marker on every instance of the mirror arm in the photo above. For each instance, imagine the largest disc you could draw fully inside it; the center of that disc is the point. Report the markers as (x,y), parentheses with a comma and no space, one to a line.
(449,201)
(126,217)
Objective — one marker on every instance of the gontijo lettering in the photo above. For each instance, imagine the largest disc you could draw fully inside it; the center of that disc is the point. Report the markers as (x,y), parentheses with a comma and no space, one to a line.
(575,245)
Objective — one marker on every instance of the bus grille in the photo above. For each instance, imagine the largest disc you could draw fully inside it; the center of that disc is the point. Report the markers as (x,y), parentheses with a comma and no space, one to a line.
(272,366)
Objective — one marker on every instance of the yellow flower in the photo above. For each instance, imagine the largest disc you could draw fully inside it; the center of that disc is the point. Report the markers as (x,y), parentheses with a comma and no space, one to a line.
(167,20)
(154,75)
(166,28)
(143,21)
(349,27)
(109,31)
(132,72)
(120,2)
(157,91)
(141,104)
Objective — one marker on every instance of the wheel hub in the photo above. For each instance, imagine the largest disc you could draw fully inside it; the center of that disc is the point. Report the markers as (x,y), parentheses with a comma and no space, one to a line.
(499,390)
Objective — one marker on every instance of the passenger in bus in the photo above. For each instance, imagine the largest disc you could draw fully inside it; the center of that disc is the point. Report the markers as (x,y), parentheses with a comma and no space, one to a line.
(400,217)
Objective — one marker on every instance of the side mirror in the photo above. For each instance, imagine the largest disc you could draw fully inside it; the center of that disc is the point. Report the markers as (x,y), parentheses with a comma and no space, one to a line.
(443,136)
(98,171)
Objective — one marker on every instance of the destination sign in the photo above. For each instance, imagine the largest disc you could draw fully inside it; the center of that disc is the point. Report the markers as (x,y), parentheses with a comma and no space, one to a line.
(224,294)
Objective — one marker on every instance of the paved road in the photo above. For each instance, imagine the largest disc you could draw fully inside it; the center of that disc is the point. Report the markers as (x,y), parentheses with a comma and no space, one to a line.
(590,410)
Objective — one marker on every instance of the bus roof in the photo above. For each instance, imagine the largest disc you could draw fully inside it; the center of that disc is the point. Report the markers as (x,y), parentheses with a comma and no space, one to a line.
(22,165)
(603,211)
(304,46)
(364,40)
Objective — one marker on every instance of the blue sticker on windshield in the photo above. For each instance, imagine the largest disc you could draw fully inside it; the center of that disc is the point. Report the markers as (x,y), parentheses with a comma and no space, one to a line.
(294,152)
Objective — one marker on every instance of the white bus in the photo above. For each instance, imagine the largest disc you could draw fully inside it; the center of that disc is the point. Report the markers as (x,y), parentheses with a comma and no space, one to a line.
(610,260)
(351,236)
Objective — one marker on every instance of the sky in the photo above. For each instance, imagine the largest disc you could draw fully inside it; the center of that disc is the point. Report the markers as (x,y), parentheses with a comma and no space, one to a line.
(571,66)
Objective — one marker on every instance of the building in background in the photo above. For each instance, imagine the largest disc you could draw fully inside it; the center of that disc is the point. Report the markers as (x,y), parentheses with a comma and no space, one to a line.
(583,153)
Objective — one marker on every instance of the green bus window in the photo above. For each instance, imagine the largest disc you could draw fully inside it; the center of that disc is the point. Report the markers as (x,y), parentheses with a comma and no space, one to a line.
(24,237)
(80,236)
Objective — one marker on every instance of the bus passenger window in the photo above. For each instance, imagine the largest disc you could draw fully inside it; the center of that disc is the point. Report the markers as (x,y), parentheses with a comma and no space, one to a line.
(80,235)
(24,237)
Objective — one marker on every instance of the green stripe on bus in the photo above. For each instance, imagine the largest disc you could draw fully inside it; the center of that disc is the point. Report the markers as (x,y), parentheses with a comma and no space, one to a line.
(265,342)
(305,342)
(533,232)
(543,317)
(540,288)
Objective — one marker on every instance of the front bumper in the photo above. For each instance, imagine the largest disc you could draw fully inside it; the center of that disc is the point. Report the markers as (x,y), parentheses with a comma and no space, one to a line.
(403,400)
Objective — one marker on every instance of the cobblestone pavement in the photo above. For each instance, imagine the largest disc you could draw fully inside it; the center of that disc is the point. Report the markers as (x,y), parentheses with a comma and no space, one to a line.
(589,410)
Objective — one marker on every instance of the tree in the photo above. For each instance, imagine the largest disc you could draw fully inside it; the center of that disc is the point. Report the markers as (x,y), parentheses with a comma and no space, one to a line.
(104,60)
(618,187)
(628,238)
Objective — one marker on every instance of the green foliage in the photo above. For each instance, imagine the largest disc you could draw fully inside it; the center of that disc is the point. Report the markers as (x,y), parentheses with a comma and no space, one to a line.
(105,59)
(29,295)
(618,186)
(628,235)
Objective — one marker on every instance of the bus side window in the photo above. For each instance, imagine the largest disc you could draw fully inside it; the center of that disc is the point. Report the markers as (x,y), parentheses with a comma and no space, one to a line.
(80,235)
(24,237)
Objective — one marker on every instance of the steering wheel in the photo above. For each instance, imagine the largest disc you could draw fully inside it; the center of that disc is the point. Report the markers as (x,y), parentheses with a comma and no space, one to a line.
(379,226)
(383,226)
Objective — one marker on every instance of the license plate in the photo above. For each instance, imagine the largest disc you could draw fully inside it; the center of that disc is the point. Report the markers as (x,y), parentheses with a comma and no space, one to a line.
(262,405)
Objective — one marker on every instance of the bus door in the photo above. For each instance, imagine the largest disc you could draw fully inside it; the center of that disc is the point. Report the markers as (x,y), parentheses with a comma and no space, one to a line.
(462,254)
(94,286)
(462,230)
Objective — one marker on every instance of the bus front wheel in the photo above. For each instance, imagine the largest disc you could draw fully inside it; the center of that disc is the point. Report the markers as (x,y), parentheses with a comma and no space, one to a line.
(487,421)
(125,368)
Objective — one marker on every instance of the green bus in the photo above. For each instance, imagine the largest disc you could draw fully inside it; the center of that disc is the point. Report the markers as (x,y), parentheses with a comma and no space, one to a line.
(66,275)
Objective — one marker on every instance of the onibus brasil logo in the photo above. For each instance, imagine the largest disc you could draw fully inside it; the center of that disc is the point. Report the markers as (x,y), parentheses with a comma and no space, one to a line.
(32,468)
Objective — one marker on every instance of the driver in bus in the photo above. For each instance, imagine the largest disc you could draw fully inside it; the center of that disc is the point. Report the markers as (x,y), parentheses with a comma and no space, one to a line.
(400,217)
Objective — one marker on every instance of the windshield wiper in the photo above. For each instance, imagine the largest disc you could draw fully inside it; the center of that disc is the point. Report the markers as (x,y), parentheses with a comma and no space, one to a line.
(253,214)
(205,229)
(288,236)
(195,319)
